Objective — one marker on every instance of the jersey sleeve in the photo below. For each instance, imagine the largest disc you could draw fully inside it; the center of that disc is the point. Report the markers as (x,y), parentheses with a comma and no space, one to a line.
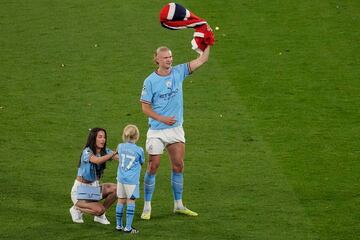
(142,156)
(187,69)
(86,154)
(146,93)
(183,70)
(119,149)
(108,151)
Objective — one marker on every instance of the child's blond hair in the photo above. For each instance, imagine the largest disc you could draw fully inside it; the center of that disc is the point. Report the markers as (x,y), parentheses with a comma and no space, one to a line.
(131,134)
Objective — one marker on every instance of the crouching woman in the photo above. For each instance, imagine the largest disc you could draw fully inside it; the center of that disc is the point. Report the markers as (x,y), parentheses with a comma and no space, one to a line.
(87,192)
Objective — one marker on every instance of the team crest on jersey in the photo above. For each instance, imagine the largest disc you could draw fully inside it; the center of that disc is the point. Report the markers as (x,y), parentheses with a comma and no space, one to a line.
(168,84)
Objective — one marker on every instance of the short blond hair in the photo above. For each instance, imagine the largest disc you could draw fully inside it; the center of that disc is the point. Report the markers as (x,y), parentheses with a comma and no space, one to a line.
(158,50)
(131,133)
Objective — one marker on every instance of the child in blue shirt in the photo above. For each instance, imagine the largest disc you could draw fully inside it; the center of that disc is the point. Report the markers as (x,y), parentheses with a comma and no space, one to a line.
(131,157)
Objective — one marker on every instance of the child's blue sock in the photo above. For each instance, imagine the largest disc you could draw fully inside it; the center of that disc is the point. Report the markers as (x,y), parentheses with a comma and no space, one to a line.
(119,214)
(130,210)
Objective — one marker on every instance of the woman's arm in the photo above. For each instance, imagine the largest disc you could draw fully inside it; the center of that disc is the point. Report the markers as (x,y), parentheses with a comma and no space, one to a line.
(116,155)
(102,159)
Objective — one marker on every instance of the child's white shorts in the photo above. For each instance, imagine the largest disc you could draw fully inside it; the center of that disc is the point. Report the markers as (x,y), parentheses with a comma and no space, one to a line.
(128,191)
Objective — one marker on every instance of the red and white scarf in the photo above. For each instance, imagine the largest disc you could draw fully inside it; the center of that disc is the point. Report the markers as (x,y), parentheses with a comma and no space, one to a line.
(173,16)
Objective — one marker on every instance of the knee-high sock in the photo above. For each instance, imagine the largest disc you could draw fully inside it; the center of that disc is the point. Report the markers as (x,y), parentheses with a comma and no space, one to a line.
(149,186)
(130,210)
(119,214)
(177,185)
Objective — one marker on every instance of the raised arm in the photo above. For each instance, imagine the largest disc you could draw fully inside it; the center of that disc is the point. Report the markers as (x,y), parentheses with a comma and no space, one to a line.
(148,111)
(198,62)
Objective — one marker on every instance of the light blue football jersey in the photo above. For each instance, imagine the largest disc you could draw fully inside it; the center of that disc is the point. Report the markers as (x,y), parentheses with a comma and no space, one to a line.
(131,157)
(165,94)
(87,169)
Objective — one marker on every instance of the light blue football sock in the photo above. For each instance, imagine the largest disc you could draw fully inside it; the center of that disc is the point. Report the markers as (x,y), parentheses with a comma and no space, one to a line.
(177,184)
(149,186)
(119,214)
(130,210)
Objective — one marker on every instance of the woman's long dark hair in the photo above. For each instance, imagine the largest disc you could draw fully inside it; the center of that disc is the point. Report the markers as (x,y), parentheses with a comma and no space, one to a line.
(91,143)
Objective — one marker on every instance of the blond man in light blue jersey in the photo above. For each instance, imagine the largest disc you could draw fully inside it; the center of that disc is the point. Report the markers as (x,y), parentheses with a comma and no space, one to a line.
(162,101)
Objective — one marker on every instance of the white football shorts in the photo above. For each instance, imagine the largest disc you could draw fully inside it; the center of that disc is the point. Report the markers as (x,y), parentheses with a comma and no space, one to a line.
(128,191)
(157,140)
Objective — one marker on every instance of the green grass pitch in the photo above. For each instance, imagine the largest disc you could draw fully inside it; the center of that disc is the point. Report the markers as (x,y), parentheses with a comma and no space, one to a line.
(272,120)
